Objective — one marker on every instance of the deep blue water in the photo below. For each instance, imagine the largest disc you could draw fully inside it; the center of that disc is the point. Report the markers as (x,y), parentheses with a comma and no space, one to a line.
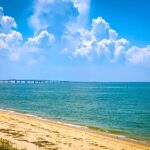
(123,107)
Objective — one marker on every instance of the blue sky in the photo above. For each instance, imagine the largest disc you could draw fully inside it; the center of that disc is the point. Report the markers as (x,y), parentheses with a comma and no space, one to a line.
(81,40)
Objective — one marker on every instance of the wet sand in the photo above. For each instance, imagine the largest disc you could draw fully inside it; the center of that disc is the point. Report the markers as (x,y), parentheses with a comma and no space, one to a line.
(34,133)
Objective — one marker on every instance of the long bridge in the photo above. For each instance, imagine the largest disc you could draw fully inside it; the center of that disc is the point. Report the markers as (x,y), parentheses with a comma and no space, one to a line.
(15,81)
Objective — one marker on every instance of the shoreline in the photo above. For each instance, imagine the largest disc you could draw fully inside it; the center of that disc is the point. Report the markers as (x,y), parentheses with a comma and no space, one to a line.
(120,139)
(111,133)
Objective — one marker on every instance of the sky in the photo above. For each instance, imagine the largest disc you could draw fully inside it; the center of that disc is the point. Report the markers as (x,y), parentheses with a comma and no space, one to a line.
(75,40)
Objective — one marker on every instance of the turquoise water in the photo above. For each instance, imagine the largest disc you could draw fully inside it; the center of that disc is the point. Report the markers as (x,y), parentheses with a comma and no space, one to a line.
(123,107)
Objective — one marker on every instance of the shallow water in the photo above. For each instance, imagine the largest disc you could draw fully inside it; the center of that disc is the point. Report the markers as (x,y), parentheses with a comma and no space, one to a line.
(118,107)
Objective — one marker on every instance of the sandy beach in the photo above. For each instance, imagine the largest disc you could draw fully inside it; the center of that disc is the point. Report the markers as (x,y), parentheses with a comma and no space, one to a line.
(33,133)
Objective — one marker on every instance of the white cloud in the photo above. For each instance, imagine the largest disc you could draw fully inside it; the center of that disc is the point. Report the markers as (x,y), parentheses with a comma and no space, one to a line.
(40,41)
(66,23)
(77,39)
(84,42)
(99,40)
(83,7)
(138,55)
(12,42)
(6,23)
(100,28)
(113,34)
(13,38)
(52,15)
(3,45)
(10,39)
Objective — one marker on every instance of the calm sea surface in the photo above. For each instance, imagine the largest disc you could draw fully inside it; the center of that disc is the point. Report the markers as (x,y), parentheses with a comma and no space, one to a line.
(122,107)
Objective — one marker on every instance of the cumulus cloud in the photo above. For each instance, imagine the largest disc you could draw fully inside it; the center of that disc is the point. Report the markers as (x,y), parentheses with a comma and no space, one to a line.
(40,41)
(99,40)
(100,28)
(66,23)
(13,38)
(83,7)
(8,36)
(6,23)
(11,41)
(138,55)
(70,22)
(52,15)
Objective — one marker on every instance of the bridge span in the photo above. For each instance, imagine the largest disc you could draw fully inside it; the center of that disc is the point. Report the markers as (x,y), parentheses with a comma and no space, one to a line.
(15,81)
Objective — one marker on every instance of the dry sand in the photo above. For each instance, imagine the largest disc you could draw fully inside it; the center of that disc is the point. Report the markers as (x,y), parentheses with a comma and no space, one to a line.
(34,133)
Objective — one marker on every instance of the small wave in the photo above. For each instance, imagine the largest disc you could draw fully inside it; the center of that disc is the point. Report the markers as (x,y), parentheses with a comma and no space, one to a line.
(43,119)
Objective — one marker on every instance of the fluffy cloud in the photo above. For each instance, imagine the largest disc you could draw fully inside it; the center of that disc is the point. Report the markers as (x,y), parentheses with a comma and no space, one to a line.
(6,23)
(13,38)
(40,41)
(100,28)
(99,40)
(8,36)
(138,55)
(10,39)
(52,15)
(69,25)
(66,23)
(83,7)
(12,42)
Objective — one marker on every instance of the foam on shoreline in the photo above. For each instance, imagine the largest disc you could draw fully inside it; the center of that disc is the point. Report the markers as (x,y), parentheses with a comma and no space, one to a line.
(92,129)
(45,119)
